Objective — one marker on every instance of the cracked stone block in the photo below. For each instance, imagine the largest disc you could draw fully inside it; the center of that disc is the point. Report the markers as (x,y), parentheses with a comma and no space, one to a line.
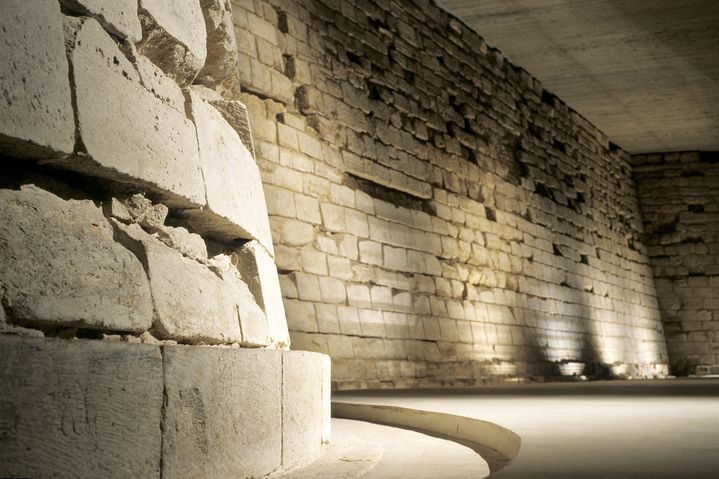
(118,17)
(192,301)
(174,37)
(253,322)
(62,266)
(127,134)
(232,179)
(220,70)
(258,270)
(79,408)
(37,117)
(223,412)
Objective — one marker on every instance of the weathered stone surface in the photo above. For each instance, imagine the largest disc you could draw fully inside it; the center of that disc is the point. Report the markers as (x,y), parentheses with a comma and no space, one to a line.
(174,37)
(191,302)
(223,412)
(221,69)
(232,179)
(144,212)
(79,408)
(235,112)
(189,244)
(258,270)
(253,322)
(37,117)
(62,266)
(326,399)
(303,409)
(161,85)
(119,17)
(127,134)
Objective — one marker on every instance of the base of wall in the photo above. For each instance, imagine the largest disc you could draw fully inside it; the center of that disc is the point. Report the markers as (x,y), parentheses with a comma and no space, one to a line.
(91,408)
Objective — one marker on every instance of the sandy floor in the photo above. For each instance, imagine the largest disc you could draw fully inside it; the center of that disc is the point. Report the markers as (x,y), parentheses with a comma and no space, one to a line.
(618,429)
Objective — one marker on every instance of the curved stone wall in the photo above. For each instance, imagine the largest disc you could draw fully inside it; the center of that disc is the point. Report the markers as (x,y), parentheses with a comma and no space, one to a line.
(137,261)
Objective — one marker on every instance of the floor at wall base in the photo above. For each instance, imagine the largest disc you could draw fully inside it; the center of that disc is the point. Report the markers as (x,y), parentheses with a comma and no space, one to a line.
(648,429)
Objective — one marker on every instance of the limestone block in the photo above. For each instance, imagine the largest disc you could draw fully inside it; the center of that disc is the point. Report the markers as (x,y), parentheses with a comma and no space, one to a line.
(303,409)
(62,265)
(37,117)
(258,270)
(189,244)
(232,178)
(118,17)
(127,133)
(223,412)
(79,408)
(253,321)
(161,85)
(174,37)
(191,302)
(220,68)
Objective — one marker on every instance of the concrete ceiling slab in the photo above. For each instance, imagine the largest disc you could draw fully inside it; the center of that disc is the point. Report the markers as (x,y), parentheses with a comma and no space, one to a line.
(645,72)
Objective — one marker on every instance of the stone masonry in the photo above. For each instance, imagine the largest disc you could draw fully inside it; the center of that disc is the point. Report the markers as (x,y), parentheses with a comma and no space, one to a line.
(679,199)
(142,326)
(438,217)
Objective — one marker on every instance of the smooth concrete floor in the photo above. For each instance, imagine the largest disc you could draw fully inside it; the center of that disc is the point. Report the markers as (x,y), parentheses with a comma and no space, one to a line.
(605,429)
(371,451)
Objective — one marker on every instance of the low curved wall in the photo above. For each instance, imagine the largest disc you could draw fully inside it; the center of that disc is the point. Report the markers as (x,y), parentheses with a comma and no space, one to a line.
(496,444)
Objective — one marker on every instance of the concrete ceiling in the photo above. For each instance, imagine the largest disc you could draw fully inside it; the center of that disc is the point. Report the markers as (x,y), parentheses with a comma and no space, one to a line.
(645,72)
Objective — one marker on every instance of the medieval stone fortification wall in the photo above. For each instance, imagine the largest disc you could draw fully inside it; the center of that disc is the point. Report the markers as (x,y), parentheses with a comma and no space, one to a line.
(438,217)
(679,198)
(137,262)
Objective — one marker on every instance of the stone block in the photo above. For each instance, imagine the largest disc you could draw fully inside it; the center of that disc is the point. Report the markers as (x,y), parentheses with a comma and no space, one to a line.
(174,37)
(37,117)
(62,266)
(258,270)
(232,178)
(192,303)
(303,412)
(127,134)
(79,408)
(223,412)
(220,70)
(118,17)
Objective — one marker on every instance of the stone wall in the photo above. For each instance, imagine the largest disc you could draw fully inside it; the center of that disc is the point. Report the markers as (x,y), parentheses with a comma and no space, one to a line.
(137,258)
(679,199)
(438,217)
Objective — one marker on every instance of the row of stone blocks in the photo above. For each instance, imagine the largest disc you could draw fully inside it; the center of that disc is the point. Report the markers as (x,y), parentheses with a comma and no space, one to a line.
(90,408)
(81,92)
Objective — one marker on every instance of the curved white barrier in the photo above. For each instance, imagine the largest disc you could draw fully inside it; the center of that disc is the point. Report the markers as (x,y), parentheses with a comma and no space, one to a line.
(496,444)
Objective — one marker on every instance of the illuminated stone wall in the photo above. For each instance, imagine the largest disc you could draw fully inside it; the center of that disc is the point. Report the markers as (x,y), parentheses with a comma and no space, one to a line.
(438,217)
(679,199)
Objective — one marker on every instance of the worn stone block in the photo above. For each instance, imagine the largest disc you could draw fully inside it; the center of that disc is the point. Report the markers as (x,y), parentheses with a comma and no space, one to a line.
(223,412)
(126,133)
(304,408)
(191,302)
(233,183)
(174,37)
(62,266)
(258,270)
(118,17)
(220,70)
(37,118)
(79,408)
